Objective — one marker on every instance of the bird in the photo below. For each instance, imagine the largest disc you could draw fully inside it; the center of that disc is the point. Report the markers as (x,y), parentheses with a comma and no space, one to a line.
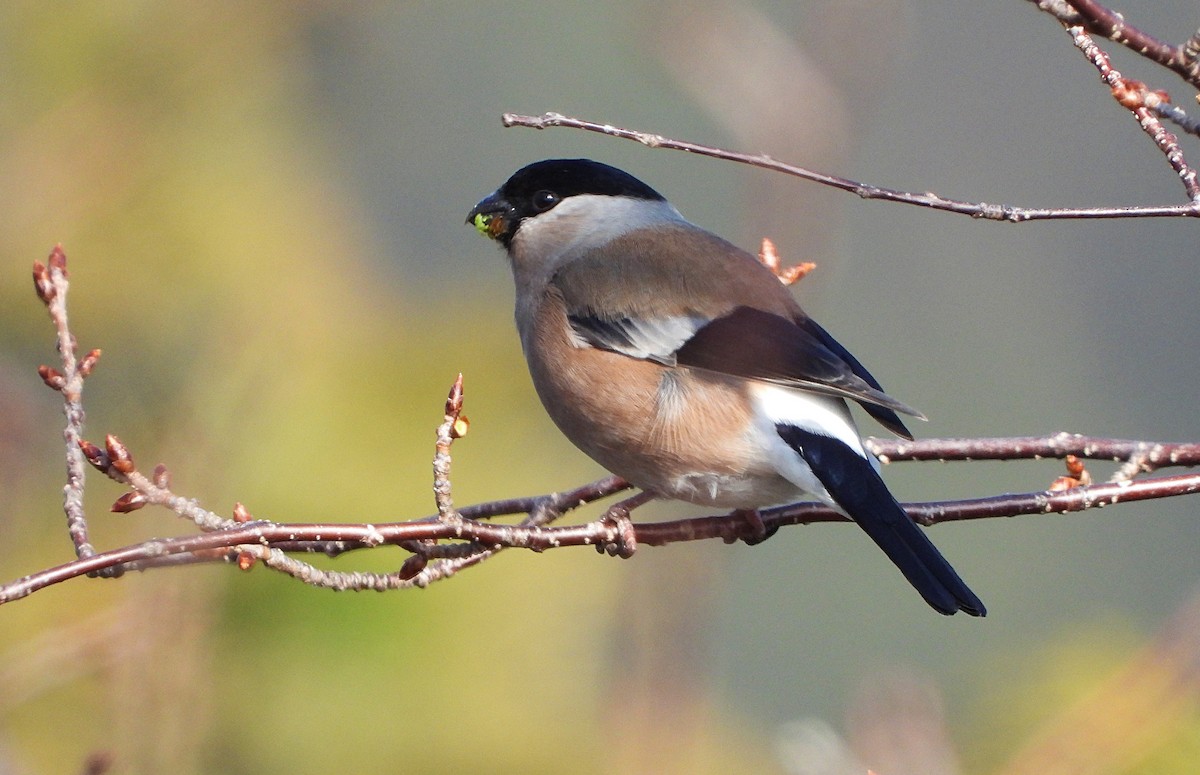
(679,362)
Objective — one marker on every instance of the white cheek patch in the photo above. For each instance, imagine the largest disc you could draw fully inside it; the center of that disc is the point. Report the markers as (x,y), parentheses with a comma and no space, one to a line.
(587,221)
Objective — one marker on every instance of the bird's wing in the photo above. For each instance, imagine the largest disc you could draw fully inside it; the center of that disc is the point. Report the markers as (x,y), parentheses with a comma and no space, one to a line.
(646,338)
(755,344)
(736,318)
(883,415)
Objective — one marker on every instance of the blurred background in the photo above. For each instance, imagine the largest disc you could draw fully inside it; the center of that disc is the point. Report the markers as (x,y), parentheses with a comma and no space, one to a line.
(262,205)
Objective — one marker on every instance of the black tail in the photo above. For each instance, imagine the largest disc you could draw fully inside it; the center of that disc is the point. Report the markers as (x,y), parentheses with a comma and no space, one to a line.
(858,489)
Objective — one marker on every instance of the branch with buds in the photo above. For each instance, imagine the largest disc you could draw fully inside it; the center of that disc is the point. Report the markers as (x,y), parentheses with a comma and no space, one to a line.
(455,538)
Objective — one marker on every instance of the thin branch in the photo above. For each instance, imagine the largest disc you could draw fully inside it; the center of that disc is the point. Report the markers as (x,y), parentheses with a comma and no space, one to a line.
(453,426)
(559,501)
(1178,116)
(259,538)
(1110,24)
(1135,96)
(1137,456)
(50,282)
(981,210)
(1148,456)
(116,462)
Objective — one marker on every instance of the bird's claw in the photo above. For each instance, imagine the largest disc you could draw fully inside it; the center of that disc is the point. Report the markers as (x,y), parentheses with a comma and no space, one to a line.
(751,530)
(624,543)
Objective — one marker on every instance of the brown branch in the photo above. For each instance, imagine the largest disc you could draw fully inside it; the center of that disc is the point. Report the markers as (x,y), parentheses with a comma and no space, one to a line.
(50,282)
(981,210)
(1138,98)
(263,539)
(454,539)
(1146,456)
(1080,17)
(453,426)
(1103,21)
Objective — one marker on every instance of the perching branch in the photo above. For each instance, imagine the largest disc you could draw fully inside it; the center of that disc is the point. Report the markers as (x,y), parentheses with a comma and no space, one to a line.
(440,546)
(260,540)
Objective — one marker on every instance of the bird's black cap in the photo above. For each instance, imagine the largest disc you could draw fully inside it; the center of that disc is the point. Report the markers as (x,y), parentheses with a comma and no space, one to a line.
(570,177)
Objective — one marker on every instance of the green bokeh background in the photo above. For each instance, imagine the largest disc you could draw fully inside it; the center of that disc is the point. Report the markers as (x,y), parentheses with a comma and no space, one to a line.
(262,206)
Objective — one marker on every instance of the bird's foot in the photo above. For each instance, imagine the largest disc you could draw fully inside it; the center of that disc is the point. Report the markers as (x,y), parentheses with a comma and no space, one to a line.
(752,530)
(617,517)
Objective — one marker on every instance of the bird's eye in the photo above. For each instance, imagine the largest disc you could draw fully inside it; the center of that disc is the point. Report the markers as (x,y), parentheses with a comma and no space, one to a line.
(544,200)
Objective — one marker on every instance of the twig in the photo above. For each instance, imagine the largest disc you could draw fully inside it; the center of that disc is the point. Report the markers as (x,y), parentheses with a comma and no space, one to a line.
(559,501)
(1112,25)
(1150,455)
(454,539)
(50,282)
(259,538)
(1135,96)
(1178,116)
(981,210)
(453,426)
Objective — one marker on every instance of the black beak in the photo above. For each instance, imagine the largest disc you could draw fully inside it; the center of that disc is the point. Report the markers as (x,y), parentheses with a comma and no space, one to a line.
(493,217)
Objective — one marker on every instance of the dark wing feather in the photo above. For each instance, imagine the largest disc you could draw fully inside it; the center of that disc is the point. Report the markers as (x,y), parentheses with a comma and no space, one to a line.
(755,344)
(882,414)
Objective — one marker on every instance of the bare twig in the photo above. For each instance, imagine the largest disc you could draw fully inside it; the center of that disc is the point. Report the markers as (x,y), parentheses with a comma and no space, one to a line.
(1135,96)
(50,282)
(453,426)
(981,210)
(1106,22)
(1178,116)
(455,539)
(261,538)
(1150,455)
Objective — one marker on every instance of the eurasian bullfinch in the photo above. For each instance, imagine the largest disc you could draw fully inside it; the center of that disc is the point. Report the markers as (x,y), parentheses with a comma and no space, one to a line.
(679,362)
